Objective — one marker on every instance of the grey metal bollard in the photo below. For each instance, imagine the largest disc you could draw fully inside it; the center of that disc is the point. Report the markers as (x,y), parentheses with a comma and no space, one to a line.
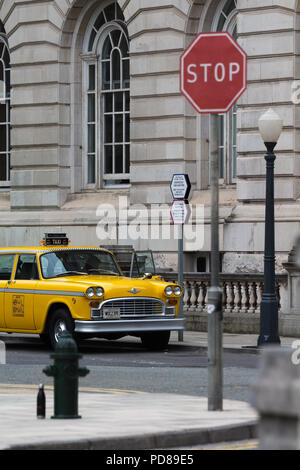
(276,396)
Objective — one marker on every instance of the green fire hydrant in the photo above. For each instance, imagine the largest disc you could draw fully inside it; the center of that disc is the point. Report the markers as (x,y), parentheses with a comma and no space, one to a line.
(65,371)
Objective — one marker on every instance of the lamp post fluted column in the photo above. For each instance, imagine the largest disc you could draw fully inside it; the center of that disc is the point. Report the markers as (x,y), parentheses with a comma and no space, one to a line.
(270,126)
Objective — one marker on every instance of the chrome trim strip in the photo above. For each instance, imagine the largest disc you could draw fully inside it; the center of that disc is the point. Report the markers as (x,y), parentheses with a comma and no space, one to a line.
(128,326)
(42,292)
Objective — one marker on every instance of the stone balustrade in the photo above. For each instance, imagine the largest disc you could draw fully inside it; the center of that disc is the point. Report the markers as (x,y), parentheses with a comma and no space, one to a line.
(242,294)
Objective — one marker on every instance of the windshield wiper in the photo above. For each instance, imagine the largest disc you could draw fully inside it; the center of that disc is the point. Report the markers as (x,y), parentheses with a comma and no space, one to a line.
(102,271)
(70,273)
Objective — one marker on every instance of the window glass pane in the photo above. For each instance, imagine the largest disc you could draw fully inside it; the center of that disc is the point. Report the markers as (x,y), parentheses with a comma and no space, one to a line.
(110,12)
(116,69)
(7,83)
(119,128)
(91,138)
(3,168)
(107,47)
(229,6)
(105,75)
(108,97)
(99,21)
(221,122)
(108,165)
(127,101)
(124,46)
(118,102)
(221,22)
(92,39)
(92,80)
(120,15)
(91,169)
(91,108)
(108,120)
(234,140)
(115,35)
(127,159)
(6,265)
(125,73)
(119,159)
(234,160)
(2,112)
(127,128)
(2,137)
(26,267)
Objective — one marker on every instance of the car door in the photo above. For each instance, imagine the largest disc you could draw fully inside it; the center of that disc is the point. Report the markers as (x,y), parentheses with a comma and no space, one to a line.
(19,314)
(6,269)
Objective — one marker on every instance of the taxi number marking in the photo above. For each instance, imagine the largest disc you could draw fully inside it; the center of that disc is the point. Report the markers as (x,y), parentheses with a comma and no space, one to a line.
(18,305)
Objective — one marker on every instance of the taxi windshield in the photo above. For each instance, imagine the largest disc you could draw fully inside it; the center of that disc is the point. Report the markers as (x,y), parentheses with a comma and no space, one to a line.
(78,262)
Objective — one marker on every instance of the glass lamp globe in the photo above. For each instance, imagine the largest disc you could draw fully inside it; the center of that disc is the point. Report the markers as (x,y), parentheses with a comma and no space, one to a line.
(270,126)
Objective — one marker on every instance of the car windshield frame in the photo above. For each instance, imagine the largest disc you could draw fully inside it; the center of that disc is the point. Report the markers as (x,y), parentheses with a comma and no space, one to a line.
(73,268)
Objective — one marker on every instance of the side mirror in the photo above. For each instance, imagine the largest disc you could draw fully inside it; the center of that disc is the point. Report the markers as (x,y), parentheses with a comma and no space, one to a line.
(147,276)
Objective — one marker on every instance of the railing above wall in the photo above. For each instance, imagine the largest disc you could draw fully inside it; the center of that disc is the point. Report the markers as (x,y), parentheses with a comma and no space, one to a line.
(242,293)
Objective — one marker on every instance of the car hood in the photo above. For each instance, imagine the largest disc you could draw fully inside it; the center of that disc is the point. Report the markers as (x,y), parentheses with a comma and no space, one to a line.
(115,286)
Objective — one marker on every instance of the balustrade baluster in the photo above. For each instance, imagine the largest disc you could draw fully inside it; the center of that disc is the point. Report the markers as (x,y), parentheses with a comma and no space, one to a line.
(200,299)
(193,298)
(244,297)
(252,298)
(259,289)
(229,297)
(237,297)
(186,295)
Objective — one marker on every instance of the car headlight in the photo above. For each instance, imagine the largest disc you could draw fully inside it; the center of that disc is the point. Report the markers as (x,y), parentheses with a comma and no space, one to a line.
(177,290)
(99,291)
(90,292)
(169,290)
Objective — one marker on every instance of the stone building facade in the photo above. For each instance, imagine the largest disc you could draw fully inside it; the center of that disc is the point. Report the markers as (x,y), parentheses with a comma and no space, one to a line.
(91,114)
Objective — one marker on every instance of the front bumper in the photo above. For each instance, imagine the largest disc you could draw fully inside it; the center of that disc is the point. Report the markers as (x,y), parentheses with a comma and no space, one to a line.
(129,326)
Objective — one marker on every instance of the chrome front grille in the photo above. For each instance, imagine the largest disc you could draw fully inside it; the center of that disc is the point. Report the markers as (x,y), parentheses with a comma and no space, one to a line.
(134,307)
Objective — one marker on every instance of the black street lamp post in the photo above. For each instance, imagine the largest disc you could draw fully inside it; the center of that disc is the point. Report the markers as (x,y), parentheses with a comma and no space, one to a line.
(270,126)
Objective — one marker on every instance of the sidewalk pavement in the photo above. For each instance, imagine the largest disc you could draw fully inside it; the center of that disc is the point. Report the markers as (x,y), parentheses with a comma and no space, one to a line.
(120,420)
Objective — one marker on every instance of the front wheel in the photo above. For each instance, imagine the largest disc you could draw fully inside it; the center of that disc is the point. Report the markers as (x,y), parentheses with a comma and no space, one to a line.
(59,322)
(155,340)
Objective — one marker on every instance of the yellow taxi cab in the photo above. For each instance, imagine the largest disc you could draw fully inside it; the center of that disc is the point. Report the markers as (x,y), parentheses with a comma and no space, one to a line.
(55,287)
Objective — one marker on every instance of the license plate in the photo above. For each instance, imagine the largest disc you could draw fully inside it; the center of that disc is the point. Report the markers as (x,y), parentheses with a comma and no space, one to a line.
(111,313)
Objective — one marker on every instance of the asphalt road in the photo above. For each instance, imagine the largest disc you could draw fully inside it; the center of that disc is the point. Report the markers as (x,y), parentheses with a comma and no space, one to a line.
(125,365)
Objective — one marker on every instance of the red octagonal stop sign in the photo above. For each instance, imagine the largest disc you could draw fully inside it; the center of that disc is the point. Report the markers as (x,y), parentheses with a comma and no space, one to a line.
(213,72)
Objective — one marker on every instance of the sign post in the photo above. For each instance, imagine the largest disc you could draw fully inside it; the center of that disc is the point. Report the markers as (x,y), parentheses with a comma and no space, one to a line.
(180,188)
(213,75)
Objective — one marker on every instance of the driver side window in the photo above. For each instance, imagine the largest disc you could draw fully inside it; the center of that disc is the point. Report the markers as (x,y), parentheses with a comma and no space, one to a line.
(27,268)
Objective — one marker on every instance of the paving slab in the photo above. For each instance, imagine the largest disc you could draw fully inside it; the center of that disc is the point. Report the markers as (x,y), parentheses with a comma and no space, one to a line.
(121,421)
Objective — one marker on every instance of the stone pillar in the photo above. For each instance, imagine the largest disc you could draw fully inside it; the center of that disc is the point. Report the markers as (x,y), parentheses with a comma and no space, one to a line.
(293,269)
(162,135)
(277,399)
(40,177)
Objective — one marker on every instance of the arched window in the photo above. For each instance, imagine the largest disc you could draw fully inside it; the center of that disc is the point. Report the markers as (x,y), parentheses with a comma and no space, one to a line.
(4,109)
(225,20)
(106,90)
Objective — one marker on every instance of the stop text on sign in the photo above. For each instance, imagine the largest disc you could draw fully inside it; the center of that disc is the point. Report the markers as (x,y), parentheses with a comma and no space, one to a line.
(218,72)
(213,72)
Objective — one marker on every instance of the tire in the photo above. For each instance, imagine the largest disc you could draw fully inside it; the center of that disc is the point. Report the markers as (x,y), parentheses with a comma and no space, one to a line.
(59,322)
(156,340)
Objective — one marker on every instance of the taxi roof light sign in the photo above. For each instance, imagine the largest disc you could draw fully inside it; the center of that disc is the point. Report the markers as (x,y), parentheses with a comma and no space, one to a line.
(56,239)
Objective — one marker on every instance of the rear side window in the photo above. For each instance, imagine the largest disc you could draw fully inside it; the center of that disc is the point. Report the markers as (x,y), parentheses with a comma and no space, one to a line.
(6,266)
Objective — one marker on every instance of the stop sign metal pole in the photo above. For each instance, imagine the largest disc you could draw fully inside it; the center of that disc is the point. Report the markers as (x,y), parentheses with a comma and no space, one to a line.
(213,76)
(214,308)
